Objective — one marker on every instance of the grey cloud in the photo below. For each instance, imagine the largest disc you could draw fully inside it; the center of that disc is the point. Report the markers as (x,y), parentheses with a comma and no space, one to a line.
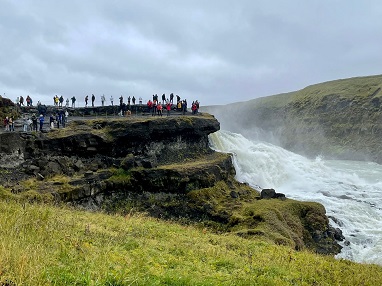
(216,51)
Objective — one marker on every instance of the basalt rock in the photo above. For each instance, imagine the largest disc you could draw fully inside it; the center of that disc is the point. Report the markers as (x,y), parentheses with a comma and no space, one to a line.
(271,194)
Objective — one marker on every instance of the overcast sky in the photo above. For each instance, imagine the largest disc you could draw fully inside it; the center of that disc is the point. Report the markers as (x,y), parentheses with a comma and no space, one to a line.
(216,51)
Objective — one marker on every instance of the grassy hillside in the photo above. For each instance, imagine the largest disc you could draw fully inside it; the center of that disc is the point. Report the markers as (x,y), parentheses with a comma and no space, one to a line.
(47,245)
(341,118)
(59,246)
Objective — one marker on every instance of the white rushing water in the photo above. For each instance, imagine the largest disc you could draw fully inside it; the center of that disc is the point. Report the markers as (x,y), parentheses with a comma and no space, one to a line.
(351,191)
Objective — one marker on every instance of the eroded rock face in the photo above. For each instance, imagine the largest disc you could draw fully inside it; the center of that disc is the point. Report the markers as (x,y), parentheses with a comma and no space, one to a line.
(167,139)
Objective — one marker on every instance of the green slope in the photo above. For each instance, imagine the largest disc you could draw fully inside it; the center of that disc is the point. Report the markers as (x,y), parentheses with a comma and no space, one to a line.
(46,245)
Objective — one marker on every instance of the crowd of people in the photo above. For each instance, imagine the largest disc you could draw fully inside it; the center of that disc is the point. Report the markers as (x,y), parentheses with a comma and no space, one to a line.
(59,101)
(36,123)
(28,100)
(153,106)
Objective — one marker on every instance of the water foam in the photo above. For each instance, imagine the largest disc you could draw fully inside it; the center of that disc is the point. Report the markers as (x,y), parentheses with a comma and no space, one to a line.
(351,191)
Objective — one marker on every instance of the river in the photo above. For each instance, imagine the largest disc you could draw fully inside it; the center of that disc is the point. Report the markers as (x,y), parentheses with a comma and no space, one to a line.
(351,191)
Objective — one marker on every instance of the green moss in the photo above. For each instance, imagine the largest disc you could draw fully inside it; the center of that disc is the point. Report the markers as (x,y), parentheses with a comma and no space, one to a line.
(121,176)
(280,221)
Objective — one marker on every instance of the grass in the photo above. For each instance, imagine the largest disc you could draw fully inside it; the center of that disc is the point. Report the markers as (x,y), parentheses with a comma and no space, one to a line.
(58,183)
(357,87)
(284,222)
(199,162)
(46,245)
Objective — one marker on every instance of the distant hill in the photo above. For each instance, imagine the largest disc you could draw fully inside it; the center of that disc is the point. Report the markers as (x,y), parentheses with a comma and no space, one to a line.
(337,119)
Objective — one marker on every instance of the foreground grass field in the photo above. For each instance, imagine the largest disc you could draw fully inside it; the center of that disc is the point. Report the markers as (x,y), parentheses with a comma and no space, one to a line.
(46,245)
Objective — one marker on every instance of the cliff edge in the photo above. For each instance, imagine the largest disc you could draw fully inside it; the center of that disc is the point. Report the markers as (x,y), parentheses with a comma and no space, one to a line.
(162,166)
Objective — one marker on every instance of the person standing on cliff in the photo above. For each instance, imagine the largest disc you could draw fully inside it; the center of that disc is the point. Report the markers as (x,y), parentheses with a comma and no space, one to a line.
(51,121)
(34,122)
(11,124)
(41,121)
(58,120)
(111,100)
(93,99)
(150,105)
(197,106)
(73,102)
(154,110)
(159,109)
(120,101)
(25,124)
(168,107)
(61,100)
(103,99)
(28,100)
(6,123)
(30,127)
(193,107)
(65,118)
(184,107)
(86,101)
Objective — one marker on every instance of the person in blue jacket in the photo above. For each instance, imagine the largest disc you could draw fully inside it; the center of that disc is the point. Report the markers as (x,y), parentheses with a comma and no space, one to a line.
(41,121)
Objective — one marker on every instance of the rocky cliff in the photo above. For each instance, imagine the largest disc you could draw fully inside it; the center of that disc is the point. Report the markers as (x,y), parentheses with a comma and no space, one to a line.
(338,119)
(159,165)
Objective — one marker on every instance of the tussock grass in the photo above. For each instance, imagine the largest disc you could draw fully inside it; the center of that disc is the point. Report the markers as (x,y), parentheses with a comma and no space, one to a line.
(46,245)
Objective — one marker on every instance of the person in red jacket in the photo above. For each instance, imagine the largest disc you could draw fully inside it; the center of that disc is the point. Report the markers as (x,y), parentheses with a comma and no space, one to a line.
(193,108)
(159,108)
(150,105)
(168,107)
